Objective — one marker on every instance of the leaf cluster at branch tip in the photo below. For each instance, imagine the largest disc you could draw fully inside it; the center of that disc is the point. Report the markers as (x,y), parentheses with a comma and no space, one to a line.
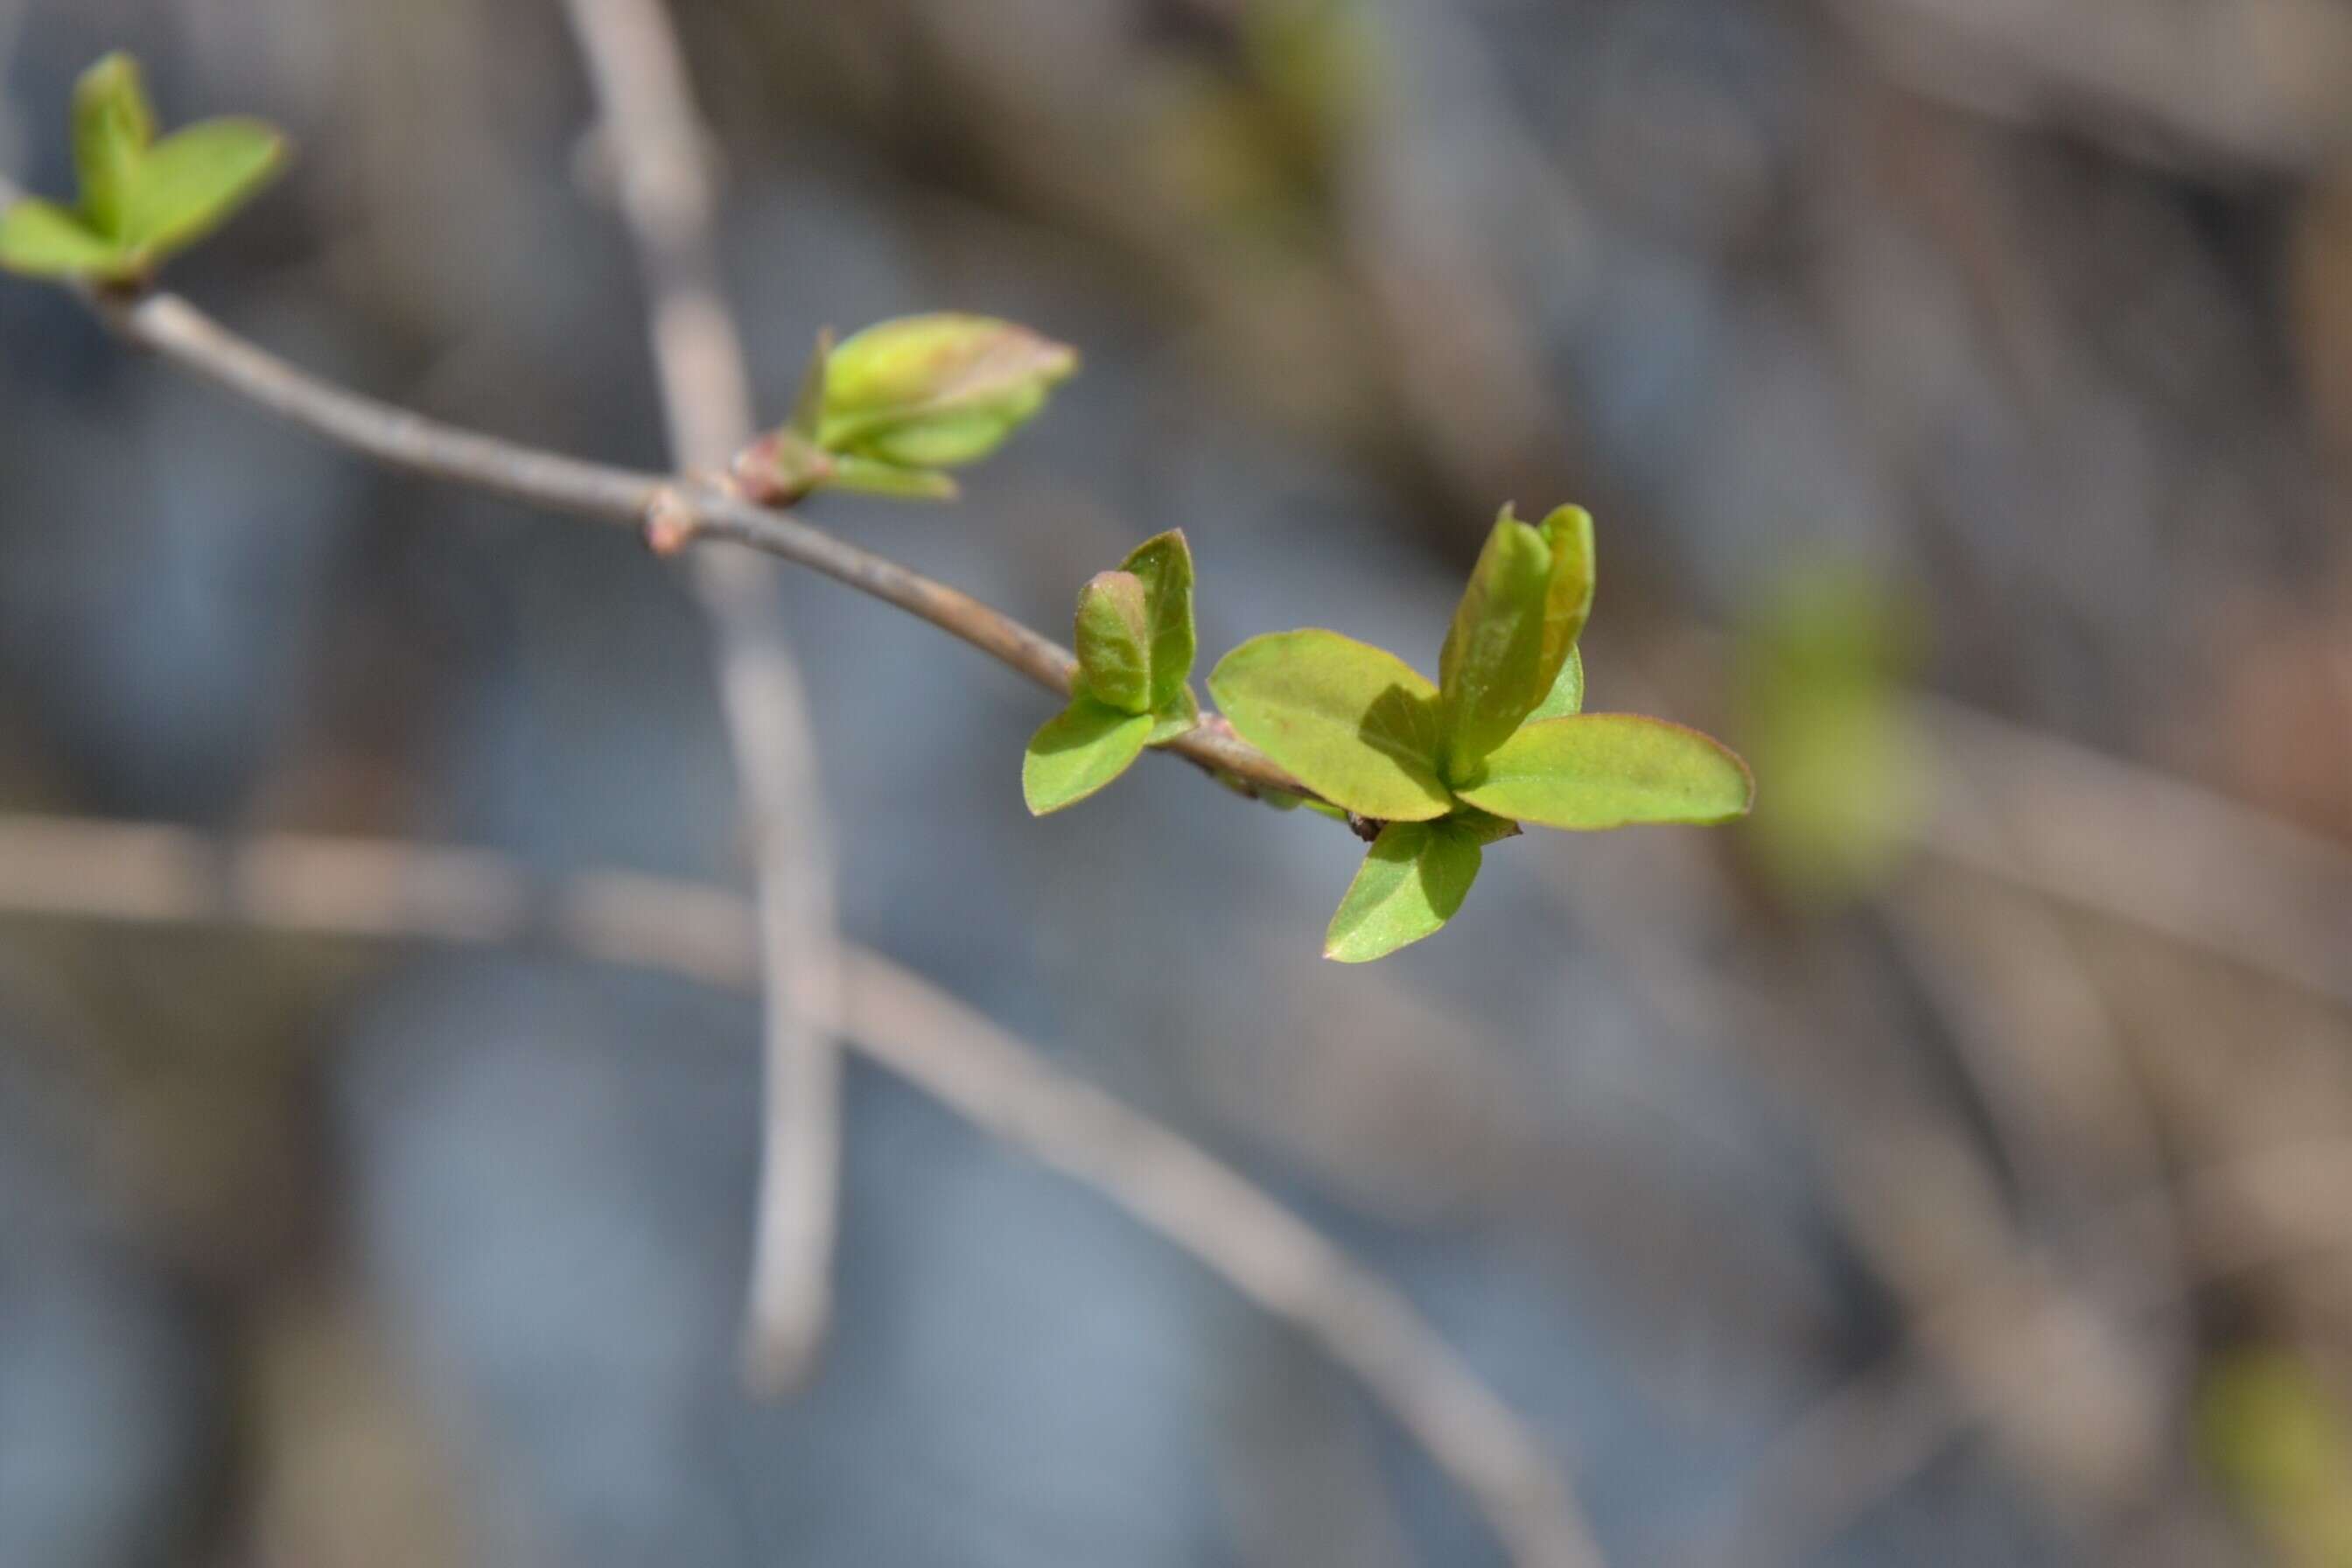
(1500,739)
(141,199)
(893,407)
(1135,644)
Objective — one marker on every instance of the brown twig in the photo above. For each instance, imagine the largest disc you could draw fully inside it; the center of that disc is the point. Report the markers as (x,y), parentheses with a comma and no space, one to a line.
(655,138)
(177,331)
(148,874)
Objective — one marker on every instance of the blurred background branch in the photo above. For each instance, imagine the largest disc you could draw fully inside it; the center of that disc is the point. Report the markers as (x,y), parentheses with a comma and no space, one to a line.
(654,139)
(308,886)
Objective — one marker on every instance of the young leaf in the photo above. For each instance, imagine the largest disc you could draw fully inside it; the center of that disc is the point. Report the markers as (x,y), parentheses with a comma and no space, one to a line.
(192,181)
(1175,719)
(1357,725)
(1612,770)
(112,125)
(1113,641)
(1078,751)
(786,463)
(1492,671)
(947,439)
(1164,564)
(1413,880)
(1566,696)
(41,239)
(1482,827)
(1568,595)
(870,477)
(937,390)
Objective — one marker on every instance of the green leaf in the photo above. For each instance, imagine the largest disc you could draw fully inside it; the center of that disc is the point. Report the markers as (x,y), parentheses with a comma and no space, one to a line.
(947,440)
(874,477)
(1491,672)
(1078,751)
(41,239)
(1568,597)
(1177,719)
(1164,565)
(192,181)
(1356,724)
(1412,882)
(937,390)
(112,125)
(141,199)
(1112,639)
(1482,826)
(1610,770)
(1566,696)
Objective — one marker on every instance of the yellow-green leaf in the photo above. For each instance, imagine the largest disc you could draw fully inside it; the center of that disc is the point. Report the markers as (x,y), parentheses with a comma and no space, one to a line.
(41,239)
(1163,564)
(1482,827)
(1568,597)
(873,477)
(1112,641)
(1566,696)
(1491,671)
(1175,720)
(1612,770)
(938,390)
(1413,880)
(1356,724)
(112,125)
(1078,751)
(192,181)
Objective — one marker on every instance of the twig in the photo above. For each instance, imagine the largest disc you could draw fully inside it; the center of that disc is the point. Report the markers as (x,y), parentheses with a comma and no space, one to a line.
(175,330)
(1264,1250)
(654,136)
(301,884)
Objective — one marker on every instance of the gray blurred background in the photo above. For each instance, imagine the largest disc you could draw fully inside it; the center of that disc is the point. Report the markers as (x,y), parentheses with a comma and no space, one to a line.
(1952,1165)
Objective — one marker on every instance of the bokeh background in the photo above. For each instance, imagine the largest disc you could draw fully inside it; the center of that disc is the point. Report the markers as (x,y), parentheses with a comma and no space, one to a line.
(1953,1165)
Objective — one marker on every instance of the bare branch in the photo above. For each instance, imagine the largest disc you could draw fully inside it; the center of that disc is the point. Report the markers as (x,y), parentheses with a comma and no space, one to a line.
(656,140)
(155,875)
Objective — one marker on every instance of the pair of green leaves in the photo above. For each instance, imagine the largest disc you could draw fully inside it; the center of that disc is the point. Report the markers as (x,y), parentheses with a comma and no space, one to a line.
(1135,644)
(1501,738)
(892,408)
(141,199)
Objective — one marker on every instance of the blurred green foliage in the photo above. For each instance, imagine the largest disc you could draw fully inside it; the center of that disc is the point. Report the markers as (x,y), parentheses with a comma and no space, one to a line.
(1822,670)
(2280,1445)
